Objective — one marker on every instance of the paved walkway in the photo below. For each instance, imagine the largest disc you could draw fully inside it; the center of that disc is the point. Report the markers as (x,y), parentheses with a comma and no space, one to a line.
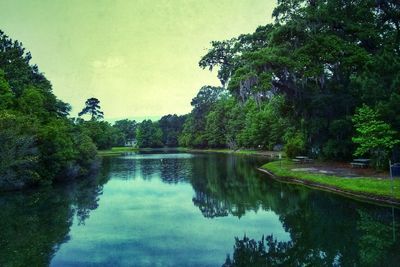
(339,169)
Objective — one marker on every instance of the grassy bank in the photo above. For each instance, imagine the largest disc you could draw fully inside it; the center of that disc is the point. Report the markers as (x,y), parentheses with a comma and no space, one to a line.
(238,152)
(120,150)
(365,187)
(117,151)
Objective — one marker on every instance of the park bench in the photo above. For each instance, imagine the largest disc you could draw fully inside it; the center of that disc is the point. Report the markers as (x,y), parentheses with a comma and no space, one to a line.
(360,163)
(302,159)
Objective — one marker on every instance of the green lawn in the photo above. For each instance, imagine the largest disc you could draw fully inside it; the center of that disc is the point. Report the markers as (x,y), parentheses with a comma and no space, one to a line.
(364,185)
(230,151)
(117,150)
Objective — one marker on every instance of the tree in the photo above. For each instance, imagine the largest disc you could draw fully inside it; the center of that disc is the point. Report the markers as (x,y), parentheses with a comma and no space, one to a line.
(149,134)
(104,136)
(127,129)
(171,127)
(38,144)
(6,97)
(18,152)
(322,65)
(92,107)
(373,137)
(193,133)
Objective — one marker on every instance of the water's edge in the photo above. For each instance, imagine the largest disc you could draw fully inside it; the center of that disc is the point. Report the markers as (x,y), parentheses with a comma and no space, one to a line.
(364,197)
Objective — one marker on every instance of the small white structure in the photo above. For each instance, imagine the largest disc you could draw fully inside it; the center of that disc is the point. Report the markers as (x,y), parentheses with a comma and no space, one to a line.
(131,142)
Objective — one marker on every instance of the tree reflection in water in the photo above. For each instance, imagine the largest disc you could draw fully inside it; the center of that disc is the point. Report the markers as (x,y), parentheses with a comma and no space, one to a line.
(372,244)
(266,252)
(325,229)
(35,224)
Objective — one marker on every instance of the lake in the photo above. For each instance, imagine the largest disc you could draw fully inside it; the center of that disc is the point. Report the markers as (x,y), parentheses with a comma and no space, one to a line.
(201,209)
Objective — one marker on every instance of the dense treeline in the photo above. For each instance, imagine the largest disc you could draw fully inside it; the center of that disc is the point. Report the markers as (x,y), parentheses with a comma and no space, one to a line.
(39,144)
(322,80)
(164,132)
(311,81)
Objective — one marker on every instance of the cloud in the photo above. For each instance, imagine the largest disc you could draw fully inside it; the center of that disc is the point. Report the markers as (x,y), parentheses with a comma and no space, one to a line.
(109,63)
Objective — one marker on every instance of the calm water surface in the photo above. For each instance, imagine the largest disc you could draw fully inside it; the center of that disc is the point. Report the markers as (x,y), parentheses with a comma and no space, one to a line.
(179,209)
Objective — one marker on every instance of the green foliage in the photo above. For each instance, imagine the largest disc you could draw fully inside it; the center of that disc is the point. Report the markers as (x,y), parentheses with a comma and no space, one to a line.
(6,97)
(57,149)
(266,252)
(38,144)
(149,134)
(317,65)
(339,145)
(31,102)
(295,144)
(103,135)
(374,137)
(193,133)
(264,124)
(127,129)
(86,151)
(171,126)
(185,139)
(18,151)
(376,239)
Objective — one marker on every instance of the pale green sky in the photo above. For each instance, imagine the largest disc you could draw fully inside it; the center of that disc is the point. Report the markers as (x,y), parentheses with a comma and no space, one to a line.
(138,57)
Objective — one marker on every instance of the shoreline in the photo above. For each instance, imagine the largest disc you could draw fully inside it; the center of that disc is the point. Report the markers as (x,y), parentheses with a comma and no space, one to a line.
(249,152)
(116,151)
(283,173)
(120,150)
(343,186)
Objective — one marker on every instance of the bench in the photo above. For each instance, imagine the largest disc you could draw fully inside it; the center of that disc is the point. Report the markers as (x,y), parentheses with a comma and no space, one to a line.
(302,159)
(358,164)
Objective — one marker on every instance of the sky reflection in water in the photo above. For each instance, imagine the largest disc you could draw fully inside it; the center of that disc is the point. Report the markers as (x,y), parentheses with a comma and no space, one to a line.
(178,209)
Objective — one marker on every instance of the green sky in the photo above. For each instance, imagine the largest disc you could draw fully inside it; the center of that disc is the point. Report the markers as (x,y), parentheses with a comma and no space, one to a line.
(139,57)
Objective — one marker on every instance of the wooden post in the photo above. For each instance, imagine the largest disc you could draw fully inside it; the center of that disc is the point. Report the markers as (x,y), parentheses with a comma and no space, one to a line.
(391,176)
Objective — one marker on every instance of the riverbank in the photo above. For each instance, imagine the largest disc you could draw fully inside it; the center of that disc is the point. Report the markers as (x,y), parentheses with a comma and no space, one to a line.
(120,150)
(117,151)
(271,154)
(370,188)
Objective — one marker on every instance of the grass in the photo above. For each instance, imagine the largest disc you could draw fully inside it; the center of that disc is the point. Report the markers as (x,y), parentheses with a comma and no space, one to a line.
(365,186)
(117,151)
(120,150)
(230,151)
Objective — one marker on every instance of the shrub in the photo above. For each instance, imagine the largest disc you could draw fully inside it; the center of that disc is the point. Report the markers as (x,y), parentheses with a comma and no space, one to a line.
(295,144)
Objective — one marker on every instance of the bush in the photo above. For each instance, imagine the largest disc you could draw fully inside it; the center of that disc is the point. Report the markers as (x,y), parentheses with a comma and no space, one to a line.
(18,152)
(295,144)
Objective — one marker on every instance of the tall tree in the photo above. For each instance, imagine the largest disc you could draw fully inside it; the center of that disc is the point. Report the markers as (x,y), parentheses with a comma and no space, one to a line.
(92,107)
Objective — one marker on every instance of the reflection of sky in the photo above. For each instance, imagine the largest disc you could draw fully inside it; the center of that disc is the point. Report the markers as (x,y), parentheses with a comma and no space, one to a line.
(158,156)
(146,222)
